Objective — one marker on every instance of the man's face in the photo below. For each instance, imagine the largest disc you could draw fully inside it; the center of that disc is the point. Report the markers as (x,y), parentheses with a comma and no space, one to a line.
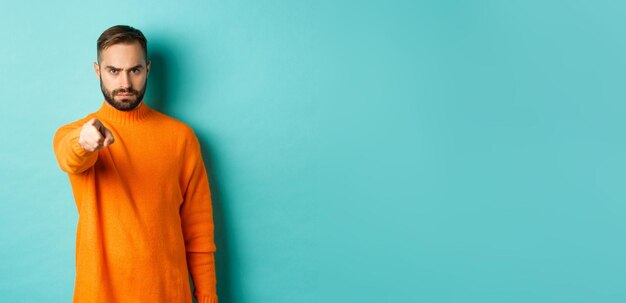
(123,74)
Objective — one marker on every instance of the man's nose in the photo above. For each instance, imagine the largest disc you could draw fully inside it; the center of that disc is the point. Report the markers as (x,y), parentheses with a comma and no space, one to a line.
(125,80)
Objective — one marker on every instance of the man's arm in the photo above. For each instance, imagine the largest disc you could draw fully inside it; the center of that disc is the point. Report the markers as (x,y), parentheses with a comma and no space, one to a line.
(76,144)
(197,223)
(202,268)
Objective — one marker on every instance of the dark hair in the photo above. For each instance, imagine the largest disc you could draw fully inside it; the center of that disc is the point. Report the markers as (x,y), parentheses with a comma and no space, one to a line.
(122,34)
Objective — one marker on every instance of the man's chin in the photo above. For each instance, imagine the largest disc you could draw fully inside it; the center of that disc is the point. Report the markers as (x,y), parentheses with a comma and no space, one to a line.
(125,104)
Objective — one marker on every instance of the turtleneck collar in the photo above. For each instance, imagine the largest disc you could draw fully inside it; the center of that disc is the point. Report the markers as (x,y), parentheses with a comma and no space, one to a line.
(109,113)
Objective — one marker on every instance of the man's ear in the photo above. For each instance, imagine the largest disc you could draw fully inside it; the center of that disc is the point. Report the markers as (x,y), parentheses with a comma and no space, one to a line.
(148,67)
(96,69)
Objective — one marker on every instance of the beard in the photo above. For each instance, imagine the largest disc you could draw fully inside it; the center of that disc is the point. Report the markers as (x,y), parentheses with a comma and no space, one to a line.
(127,103)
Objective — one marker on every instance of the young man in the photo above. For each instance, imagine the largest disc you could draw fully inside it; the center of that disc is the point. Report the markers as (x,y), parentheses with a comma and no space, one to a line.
(141,189)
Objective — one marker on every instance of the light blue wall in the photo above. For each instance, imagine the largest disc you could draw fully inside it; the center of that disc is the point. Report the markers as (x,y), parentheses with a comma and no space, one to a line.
(386,151)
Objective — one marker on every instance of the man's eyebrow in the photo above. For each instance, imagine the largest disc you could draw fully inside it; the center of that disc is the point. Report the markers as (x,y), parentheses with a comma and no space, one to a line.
(113,67)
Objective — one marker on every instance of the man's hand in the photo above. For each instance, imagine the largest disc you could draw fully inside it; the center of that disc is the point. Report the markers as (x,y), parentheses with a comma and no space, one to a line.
(95,136)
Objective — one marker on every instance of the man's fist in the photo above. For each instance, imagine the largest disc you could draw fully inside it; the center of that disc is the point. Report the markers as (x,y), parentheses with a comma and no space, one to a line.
(95,136)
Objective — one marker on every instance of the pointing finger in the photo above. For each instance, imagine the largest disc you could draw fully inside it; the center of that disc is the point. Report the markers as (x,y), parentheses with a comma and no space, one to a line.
(108,139)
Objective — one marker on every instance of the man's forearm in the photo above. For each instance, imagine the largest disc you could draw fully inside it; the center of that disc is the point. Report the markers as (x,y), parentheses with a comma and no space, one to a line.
(72,158)
(202,268)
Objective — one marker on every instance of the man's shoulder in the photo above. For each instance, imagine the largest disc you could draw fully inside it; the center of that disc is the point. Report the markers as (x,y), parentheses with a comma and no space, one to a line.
(174,125)
(178,131)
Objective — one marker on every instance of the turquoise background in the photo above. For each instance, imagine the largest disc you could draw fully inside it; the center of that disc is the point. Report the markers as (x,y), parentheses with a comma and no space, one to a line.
(358,151)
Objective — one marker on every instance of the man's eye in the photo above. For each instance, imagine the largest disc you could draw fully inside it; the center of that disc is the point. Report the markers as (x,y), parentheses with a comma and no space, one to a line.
(136,71)
(113,71)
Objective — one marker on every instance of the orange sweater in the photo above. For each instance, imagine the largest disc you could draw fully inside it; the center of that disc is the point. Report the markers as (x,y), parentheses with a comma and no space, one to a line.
(145,215)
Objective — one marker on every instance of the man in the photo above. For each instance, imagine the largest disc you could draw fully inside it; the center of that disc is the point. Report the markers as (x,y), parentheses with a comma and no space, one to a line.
(141,190)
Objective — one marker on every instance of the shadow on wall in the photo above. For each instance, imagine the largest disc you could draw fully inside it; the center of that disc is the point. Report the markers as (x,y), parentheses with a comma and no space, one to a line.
(162,95)
(159,83)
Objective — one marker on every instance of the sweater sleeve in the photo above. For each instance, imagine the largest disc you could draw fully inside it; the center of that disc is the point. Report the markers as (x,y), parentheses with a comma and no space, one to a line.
(72,158)
(197,224)
(202,268)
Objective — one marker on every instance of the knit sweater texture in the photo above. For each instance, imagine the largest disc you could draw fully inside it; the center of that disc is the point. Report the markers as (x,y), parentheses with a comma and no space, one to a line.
(145,220)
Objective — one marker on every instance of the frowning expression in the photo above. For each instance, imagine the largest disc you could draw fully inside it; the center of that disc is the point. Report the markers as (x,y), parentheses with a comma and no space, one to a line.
(123,74)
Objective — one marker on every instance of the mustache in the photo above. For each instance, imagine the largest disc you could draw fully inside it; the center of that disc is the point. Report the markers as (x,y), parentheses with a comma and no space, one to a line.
(125,91)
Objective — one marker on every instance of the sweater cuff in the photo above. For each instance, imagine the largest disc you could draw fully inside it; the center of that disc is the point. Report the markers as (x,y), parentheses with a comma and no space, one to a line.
(204,298)
(79,150)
